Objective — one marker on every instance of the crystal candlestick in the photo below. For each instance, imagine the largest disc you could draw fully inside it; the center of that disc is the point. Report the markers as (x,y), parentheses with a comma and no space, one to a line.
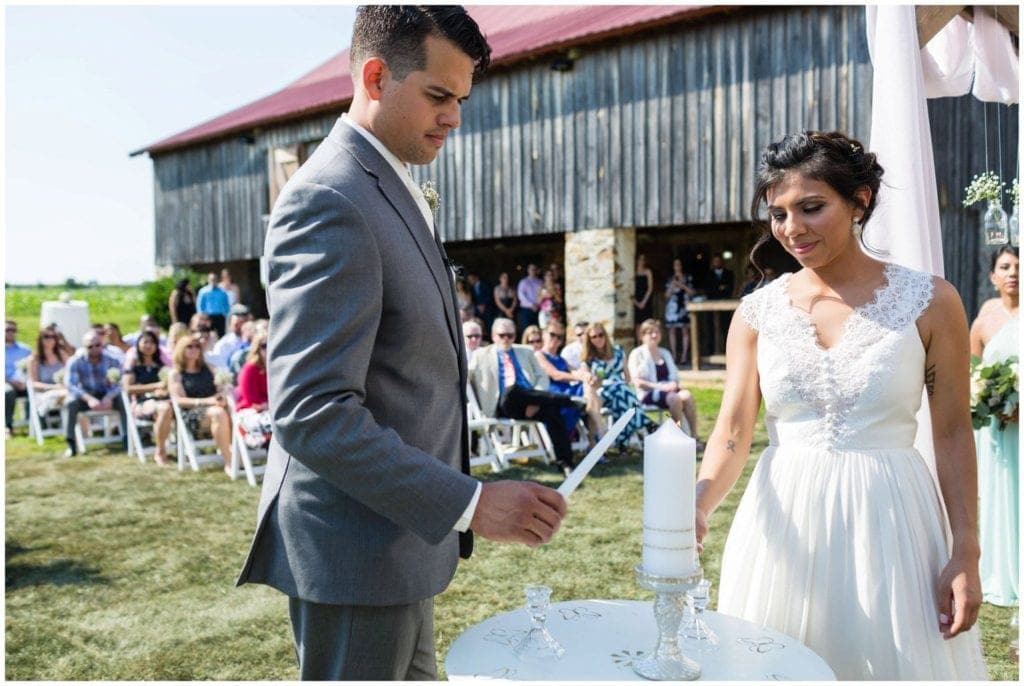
(695,633)
(668,662)
(538,644)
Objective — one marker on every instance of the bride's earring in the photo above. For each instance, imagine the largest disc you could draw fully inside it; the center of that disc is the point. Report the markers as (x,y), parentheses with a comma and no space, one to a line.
(856,228)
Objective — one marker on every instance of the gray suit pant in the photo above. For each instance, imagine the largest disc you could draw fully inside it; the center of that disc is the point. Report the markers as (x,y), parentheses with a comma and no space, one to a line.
(364,643)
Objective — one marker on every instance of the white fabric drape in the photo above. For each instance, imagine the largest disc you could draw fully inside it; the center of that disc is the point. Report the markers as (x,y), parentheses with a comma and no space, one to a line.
(948,61)
(906,222)
(996,71)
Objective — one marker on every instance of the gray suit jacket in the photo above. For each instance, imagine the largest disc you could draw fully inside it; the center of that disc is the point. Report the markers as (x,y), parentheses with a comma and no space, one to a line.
(367,379)
(484,371)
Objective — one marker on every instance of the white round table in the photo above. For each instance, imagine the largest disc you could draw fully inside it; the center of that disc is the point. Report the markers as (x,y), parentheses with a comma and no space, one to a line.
(602,639)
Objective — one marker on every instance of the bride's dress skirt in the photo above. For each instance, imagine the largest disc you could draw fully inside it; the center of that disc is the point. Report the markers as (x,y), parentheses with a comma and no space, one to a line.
(842,549)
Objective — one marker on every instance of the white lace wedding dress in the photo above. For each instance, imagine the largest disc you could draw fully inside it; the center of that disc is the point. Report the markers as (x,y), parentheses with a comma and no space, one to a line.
(839,539)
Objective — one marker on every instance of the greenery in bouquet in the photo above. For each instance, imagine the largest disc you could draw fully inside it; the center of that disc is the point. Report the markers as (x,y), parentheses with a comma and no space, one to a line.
(985,186)
(58,376)
(113,375)
(994,392)
(163,375)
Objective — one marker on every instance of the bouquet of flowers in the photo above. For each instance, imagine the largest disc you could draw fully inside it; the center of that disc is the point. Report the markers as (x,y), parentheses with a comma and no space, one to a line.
(58,376)
(994,392)
(987,186)
(223,378)
(163,375)
(113,375)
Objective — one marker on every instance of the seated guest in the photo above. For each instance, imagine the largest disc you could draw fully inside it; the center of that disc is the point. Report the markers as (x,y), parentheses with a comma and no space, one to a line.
(93,386)
(472,334)
(532,337)
(656,377)
(147,322)
(607,361)
(46,372)
(203,406)
(571,352)
(113,335)
(14,373)
(509,382)
(174,334)
(234,340)
(62,342)
(208,338)
(578,383)
(108,348)
(237,358)
(253,414)
(149,392)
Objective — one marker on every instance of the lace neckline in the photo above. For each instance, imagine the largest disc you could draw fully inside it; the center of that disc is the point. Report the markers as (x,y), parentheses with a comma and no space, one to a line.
(861,311)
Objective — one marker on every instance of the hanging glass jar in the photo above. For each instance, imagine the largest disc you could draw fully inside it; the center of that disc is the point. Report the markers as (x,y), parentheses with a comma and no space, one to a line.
(994,224)
(1013,227)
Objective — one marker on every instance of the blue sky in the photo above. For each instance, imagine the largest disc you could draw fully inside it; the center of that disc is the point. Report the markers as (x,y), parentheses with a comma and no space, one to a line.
(84,86)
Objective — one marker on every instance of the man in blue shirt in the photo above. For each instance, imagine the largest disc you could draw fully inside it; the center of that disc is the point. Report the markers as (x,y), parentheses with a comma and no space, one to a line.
(213,300)
(92,386)
(14,376)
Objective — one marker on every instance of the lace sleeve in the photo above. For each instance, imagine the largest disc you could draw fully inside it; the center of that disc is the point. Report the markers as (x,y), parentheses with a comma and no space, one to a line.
(750,309)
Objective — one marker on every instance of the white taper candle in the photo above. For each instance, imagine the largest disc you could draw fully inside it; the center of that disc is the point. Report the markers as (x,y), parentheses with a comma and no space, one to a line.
(670,464)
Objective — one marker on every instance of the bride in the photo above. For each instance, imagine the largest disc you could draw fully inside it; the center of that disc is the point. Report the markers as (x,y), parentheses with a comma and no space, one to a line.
(839,539)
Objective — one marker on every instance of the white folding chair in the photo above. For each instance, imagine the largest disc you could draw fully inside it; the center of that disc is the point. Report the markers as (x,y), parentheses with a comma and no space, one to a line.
(136,428)
(481,448)
(40,426)
(253,461)
(101,422)
(512,438)
(191,449)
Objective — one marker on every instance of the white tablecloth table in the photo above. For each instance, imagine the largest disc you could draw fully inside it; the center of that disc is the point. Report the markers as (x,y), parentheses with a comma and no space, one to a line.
(603,638)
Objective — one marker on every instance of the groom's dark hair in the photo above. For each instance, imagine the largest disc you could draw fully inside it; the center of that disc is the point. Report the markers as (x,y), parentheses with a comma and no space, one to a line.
(396,34)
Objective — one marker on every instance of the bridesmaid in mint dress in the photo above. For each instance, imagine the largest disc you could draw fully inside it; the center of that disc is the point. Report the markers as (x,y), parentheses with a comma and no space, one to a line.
(994,337)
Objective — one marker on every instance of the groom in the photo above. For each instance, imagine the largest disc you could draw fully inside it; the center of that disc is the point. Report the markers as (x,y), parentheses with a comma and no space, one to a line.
(367,502)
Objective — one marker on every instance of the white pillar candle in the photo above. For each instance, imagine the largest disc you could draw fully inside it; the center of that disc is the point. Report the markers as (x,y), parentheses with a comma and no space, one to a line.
(670,465)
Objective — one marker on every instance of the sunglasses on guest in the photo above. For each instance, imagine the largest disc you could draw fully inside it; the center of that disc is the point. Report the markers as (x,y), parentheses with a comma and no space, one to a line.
(595,336)
(507,334)
(534,341)
(474,335)
(559,336)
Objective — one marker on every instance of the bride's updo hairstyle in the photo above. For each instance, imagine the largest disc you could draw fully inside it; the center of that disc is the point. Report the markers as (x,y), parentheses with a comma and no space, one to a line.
(832,157)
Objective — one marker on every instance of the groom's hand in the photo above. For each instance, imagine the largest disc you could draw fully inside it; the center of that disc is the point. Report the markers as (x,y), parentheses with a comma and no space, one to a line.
(518,511)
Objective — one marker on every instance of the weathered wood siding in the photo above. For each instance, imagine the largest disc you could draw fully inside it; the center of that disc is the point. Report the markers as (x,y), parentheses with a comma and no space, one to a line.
(659,130)
(210,200)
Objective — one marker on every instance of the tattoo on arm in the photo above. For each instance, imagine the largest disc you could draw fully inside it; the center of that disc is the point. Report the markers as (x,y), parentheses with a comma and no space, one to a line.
(929,380)
(730,446)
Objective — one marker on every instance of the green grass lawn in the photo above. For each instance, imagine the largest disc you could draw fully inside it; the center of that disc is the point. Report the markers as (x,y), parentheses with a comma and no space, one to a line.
(116,570)
(122,305)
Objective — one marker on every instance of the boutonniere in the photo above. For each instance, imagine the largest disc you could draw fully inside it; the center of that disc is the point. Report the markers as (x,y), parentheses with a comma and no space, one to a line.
(431,195)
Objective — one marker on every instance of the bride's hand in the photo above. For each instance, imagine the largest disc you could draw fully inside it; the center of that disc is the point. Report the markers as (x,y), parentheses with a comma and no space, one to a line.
(959,596)
(701,529)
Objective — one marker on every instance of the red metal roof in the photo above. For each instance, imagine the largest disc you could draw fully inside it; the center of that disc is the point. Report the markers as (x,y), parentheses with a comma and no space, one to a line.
(514,33)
